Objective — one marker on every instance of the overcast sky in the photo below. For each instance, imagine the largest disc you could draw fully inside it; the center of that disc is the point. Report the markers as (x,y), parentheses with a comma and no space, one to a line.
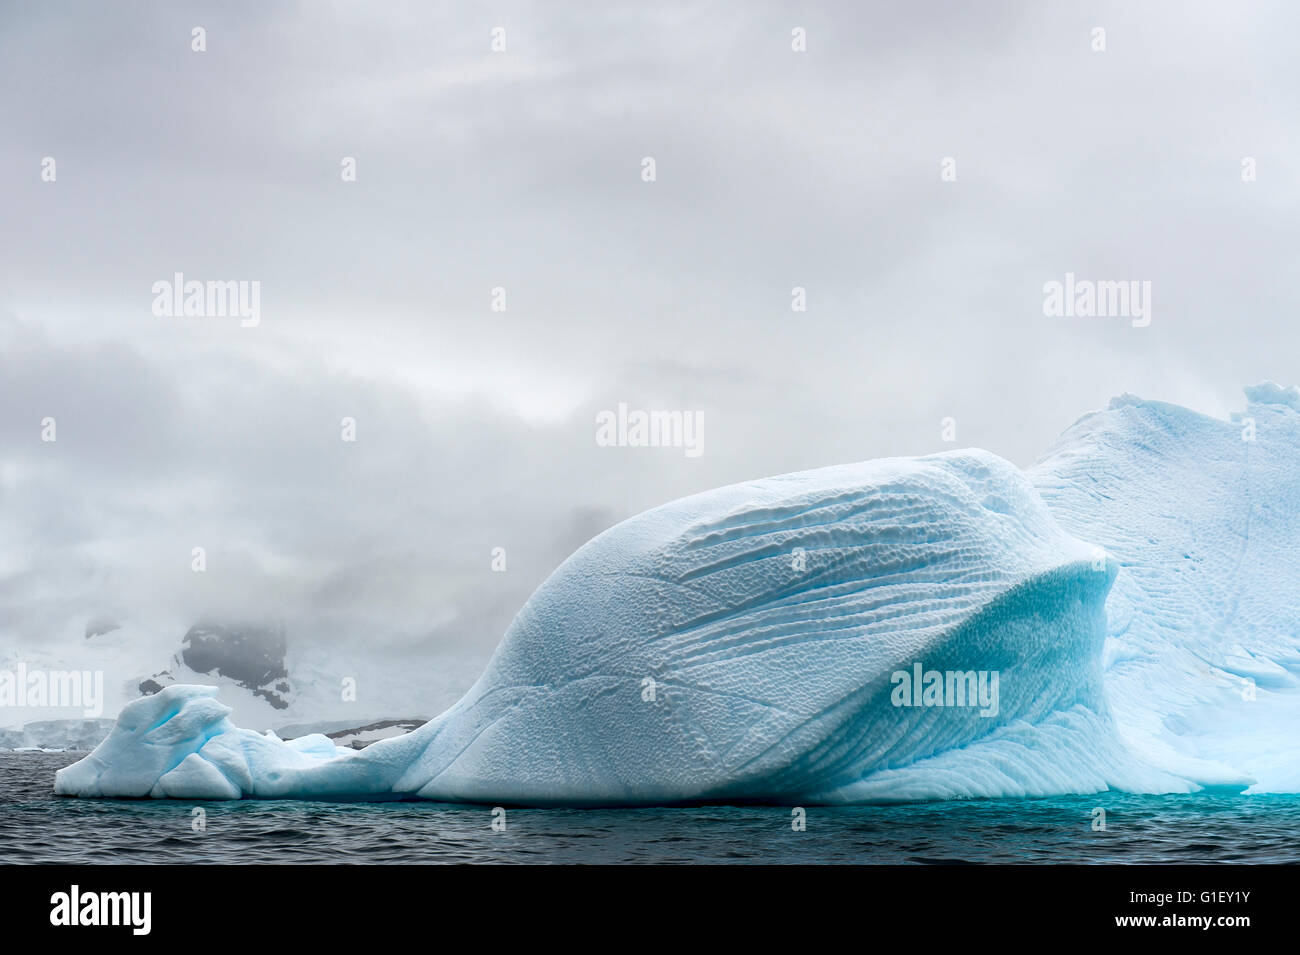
(522,169)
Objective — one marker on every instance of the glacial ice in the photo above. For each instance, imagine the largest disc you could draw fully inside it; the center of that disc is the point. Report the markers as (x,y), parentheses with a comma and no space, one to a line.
(747,643)
(1203,518)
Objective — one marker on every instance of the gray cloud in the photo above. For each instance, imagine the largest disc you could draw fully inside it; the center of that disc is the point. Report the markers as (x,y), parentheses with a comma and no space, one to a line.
(521,170)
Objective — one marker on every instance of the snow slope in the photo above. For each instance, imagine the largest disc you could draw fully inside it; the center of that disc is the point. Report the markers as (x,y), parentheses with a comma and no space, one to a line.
(740,644)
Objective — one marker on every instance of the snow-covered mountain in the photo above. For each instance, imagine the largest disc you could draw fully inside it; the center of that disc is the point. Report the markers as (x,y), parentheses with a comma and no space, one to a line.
(251,657)
(269,678)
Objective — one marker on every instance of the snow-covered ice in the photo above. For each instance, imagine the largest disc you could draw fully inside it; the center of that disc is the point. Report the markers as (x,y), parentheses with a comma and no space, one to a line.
(747,643)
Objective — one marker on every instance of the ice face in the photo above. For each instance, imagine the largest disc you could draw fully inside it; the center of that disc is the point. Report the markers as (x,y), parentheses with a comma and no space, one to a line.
(740,644)
(1203,517)
(808,638)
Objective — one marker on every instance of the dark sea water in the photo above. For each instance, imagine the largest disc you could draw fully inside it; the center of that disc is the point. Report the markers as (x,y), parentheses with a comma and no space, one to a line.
(36,826)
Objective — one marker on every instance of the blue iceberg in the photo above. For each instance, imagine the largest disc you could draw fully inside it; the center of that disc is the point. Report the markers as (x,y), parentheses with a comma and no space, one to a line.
(1202,517)
(1121,616)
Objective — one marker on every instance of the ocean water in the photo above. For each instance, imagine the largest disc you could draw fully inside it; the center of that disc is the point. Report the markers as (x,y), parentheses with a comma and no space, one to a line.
(39,827)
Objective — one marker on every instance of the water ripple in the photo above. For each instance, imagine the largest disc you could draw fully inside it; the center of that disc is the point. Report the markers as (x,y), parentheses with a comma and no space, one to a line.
(36,826)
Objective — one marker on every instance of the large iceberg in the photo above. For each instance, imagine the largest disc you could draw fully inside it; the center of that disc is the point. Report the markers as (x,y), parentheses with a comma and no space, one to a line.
(898,629)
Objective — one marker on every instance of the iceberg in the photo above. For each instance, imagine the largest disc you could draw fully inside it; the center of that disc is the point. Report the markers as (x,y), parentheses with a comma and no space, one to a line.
(939,627)
(56,735)
(1202,518)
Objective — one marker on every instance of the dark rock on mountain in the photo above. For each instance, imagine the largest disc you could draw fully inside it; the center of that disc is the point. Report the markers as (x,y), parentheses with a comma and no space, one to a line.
(251,656)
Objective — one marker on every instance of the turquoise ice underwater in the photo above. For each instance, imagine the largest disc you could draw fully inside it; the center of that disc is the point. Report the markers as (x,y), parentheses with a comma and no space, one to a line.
(1135,592)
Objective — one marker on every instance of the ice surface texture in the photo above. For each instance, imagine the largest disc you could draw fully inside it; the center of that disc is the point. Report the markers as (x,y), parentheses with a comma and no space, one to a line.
(741,644)
(1203,517)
